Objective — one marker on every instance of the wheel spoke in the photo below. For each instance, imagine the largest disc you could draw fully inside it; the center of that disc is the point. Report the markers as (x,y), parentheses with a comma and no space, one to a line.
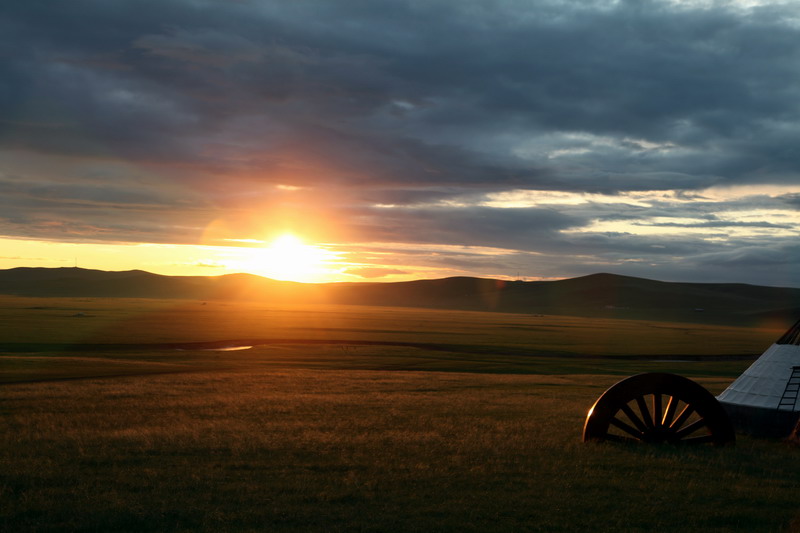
(657,414)
(633,418)
(680,411)
(672,406)
(699,440)
(648,420)
(616,422)
(683,417)
(691,428)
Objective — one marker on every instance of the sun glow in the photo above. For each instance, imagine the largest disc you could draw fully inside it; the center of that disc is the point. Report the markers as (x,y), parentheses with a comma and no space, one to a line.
(287,258)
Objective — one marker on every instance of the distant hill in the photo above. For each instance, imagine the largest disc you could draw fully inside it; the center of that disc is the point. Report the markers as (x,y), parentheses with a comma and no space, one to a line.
(597,295)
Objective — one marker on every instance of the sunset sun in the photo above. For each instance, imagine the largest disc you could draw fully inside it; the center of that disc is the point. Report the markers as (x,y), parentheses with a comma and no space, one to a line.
(288,258)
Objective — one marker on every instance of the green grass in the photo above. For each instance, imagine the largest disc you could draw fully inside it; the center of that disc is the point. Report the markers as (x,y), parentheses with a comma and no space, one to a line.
(481,436)
(36,334)
(72,320)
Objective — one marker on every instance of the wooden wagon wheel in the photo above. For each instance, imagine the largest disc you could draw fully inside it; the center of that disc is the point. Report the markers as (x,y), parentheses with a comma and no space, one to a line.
(658,408)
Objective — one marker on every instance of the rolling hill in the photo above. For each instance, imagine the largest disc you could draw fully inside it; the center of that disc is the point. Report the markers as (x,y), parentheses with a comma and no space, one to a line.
(597,295)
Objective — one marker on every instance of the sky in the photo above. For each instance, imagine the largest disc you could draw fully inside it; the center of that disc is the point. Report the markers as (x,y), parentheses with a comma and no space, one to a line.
(388,140)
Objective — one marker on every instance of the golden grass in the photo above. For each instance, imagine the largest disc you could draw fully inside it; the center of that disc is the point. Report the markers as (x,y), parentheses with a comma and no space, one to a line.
(348,437)
(301,450)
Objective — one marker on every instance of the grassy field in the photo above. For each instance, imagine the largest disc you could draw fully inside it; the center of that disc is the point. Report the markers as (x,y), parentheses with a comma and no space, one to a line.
(476,429)
(39,335)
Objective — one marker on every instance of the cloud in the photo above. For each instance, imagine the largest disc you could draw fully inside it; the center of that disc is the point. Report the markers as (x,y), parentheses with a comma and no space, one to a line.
(477,226)
(792,200)
(402,119)
(410,97)
(203,47)
(373,273)
(203,264)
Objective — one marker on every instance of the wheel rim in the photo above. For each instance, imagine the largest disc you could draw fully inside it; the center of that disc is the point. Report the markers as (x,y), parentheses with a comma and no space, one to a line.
(658,408)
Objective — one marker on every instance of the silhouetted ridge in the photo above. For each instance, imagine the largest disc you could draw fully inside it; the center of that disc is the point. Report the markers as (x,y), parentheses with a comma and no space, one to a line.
(41,274)
(595,295)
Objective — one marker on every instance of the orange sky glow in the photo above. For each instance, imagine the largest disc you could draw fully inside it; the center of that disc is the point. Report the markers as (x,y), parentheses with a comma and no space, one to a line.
(286,258)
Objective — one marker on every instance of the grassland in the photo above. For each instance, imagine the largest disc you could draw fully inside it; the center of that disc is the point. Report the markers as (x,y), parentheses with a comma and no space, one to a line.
(474,427)
(40,336)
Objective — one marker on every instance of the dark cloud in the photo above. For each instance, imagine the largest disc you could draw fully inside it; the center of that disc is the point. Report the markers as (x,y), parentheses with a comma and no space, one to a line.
(765,263)
(501,228)
(428,107)
(404,90)
(792,200)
